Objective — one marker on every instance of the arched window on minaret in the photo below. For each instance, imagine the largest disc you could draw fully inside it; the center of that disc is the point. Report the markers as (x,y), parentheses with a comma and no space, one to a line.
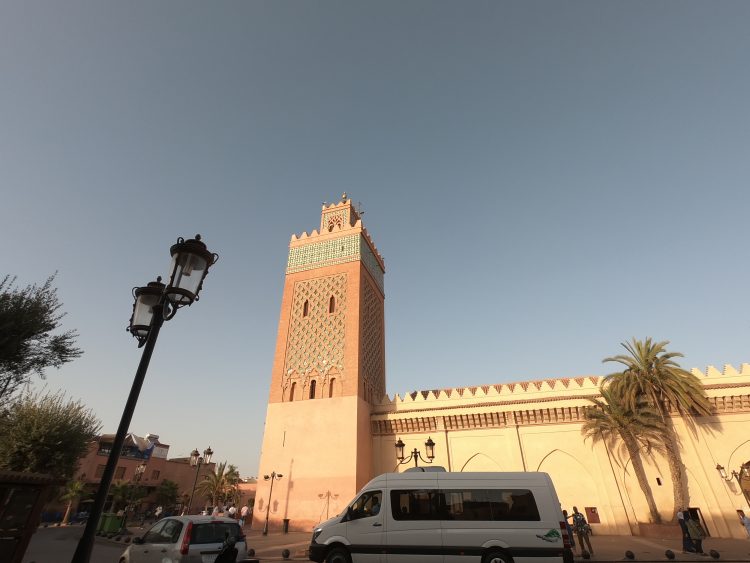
(330,387)
(291,391)
(306,308)
(332,304)
(312,389)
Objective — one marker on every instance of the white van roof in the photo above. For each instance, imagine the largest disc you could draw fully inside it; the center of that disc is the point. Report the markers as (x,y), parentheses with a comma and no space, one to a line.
(444,478)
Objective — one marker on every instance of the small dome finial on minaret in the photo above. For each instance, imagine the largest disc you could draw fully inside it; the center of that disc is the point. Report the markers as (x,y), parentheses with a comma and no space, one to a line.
(343,197)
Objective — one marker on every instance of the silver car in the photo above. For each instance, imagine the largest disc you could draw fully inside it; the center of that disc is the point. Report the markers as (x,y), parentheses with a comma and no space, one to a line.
(185,539)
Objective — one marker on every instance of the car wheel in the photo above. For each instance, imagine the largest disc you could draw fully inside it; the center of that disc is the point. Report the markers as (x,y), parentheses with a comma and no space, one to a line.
(338,555)
(496,557)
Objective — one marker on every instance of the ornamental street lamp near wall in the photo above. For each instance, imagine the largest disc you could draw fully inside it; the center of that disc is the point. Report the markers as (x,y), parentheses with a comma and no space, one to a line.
(744,472)
(272,477)
(196,461)
(154,303)
(416,455)
(134,488)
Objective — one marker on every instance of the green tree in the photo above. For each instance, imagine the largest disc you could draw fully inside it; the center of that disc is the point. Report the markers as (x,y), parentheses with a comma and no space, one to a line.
(612,423)
(652,375)
(220,485)
(45,433)
(73,491)
(233,481)
(28,319)
(120,493)
(167,493)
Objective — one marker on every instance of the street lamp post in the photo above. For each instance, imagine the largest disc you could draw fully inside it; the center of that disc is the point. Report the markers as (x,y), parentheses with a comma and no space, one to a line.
(196,460)
(134,488)
(272,477)
(416,455)
(154,303)
(738,475)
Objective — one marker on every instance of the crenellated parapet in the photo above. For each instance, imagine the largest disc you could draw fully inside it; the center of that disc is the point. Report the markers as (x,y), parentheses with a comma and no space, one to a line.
(542,396)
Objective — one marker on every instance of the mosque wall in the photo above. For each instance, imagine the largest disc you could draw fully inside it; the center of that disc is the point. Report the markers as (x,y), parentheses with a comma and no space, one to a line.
(536,426)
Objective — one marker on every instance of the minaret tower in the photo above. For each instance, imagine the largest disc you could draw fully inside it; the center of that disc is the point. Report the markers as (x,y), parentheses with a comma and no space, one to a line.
(328,370)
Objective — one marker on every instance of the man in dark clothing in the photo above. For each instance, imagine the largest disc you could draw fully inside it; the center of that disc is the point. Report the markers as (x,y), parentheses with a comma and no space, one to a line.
(228,553)
(581,528)
(687,544)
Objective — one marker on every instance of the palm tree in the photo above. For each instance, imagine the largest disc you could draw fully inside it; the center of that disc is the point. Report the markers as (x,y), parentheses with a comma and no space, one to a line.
(218,484)
(73,490)
(651,374)
(120,492)
(233,480)
(611,422)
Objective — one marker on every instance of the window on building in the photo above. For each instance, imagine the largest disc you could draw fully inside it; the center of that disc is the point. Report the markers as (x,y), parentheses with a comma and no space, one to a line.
(330,387)
(332,305)
(306,308)
(120,473)
(155,474)
(312,389)
(99,470)
(291,391)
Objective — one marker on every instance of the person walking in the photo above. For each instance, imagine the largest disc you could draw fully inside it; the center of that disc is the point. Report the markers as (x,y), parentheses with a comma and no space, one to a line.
(696,533)
(687,544)
(581,528)
(569,531)
(243,515)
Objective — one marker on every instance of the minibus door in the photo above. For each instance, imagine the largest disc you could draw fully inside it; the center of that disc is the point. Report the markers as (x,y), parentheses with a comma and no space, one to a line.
(414,533)
(365,528)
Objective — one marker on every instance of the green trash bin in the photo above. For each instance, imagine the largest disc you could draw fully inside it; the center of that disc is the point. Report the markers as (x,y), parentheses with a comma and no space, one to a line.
(110,523)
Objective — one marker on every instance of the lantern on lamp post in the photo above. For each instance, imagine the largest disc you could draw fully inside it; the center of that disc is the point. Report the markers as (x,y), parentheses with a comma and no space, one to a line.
(416,455)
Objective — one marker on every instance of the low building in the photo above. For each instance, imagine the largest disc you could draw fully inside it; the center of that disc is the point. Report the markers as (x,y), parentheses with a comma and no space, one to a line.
(145,461)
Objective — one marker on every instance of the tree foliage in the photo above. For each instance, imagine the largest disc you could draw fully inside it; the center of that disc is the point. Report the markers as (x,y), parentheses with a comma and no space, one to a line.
(73,490)
(652,376)
(28,318)
(167,493)
(45,433)
(614,423)
(221,485)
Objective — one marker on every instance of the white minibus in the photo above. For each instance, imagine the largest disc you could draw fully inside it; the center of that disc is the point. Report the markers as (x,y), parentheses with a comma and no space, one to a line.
(442,517)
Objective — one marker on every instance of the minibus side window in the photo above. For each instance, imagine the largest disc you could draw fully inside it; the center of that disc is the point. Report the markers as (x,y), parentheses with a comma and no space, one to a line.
(366,505)
(517,505)
(421,504)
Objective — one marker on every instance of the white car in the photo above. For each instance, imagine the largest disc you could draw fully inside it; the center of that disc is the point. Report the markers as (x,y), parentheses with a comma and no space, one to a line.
(185,539)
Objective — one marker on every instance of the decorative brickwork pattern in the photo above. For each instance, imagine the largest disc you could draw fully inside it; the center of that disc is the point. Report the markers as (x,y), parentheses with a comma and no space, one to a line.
(373,333)
(371,263)
(316,341)
(326,253)
(334,219)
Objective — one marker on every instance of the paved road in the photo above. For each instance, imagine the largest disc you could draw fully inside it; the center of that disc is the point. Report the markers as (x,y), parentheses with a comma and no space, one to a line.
(56,545)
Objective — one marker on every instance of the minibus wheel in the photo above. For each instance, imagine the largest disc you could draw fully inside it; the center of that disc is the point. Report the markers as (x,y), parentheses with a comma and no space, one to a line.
(338,555)
(496,556)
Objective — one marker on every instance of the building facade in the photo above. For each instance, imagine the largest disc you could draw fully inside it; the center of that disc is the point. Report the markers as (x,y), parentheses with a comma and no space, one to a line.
(147,450)
(330,427)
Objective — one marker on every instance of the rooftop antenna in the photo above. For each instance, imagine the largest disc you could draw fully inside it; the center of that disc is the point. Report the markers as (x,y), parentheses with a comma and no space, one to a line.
(359,208)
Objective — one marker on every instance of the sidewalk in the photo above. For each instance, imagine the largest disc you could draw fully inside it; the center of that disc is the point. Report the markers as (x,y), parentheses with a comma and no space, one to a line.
(613,548)
(607,548)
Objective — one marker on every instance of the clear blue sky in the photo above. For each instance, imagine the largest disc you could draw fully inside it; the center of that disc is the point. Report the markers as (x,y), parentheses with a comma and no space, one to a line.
(544,179)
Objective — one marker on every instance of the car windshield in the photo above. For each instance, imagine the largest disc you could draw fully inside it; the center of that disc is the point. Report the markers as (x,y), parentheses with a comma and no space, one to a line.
(214,532)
